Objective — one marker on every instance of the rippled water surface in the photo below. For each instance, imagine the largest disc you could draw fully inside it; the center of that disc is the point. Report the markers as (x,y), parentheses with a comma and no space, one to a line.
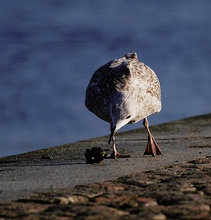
(50,49)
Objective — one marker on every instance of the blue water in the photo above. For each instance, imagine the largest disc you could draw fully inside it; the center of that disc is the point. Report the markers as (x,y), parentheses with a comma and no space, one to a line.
(50,49)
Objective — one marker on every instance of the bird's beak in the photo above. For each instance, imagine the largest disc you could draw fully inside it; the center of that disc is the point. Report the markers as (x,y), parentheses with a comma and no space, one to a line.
(112,134)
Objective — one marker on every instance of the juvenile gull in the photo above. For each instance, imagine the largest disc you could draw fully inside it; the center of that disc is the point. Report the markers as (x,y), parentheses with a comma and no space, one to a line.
(124,91)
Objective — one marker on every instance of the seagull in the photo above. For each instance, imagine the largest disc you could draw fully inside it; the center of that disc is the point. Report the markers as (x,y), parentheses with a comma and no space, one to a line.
(125,91)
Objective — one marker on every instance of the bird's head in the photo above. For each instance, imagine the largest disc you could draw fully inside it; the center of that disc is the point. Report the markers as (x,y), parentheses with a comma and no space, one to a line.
(121,113)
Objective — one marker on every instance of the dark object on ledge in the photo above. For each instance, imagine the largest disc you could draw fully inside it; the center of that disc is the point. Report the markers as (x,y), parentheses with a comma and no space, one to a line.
(95,155)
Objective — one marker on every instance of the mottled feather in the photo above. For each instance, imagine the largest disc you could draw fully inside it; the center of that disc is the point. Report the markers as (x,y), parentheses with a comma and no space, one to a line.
(128,79)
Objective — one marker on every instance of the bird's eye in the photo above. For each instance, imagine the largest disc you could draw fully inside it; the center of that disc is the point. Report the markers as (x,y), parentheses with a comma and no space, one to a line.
(128,116)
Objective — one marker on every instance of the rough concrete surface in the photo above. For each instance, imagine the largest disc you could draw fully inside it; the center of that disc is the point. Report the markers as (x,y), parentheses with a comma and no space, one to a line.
(175,185)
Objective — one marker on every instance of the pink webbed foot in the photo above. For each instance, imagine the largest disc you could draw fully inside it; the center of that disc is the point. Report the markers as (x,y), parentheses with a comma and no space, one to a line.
(115,155)
(152,147)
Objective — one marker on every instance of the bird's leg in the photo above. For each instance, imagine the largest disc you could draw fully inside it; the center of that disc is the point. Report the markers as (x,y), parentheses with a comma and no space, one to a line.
(115,153)
(152,146)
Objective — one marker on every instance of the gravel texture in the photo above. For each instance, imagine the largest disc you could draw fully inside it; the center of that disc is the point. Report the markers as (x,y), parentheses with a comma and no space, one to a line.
(181,191)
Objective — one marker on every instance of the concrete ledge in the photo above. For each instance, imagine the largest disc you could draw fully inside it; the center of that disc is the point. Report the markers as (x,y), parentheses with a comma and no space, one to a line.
(64,167)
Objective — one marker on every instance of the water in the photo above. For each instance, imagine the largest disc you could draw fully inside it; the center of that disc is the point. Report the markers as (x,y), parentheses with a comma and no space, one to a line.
(50,49)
